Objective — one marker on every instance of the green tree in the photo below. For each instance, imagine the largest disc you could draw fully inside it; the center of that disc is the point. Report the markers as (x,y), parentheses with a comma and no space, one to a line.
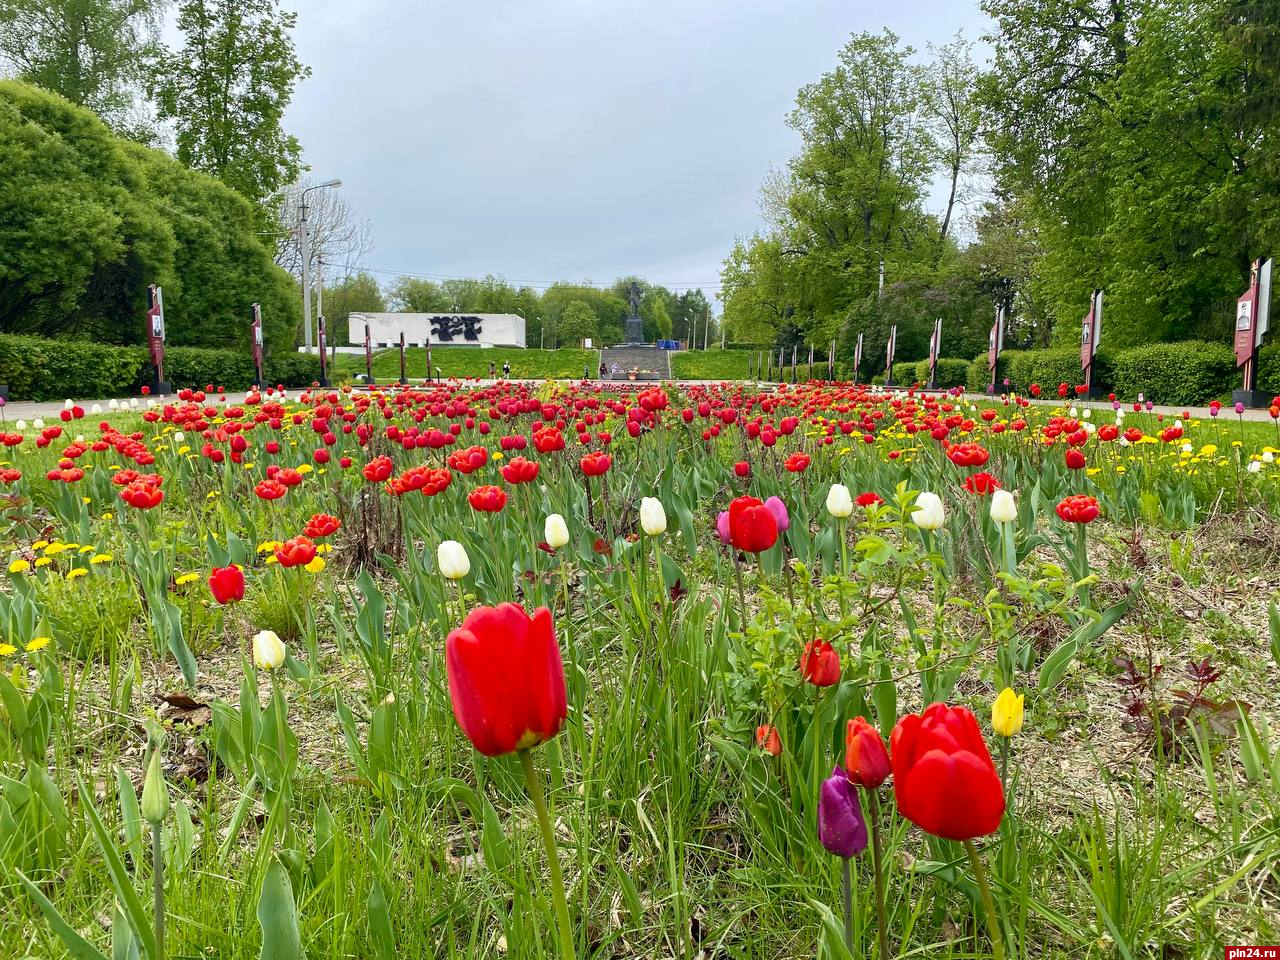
(577,322)
(358,293)
(417,295)
(226,91)
(93,52)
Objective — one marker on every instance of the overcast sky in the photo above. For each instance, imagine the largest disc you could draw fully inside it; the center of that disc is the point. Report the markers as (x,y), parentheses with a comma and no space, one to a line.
(569,139)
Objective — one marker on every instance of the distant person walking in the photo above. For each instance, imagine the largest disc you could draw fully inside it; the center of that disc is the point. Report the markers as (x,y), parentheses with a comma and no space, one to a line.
(493,370)
(506,369)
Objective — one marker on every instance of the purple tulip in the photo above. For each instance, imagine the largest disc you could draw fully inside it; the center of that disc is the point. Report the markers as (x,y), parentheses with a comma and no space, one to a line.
(1239,408)
(841,827)
(722,527)
(1213,411)
(779,510)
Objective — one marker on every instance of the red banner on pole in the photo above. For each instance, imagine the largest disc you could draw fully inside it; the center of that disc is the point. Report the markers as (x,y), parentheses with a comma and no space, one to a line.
(257,341)
(1090,332)
(935,347)
(1252,312)
(857,358)
(888,355)
(155,329)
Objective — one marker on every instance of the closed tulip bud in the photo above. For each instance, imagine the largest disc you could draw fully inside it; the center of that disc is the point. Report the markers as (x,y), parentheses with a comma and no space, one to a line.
(1003,508)
(452,559)
(1006,713)
(155,792)
(841,827)
(268,650)
(780,514)
(839,501)
(928,514)
(866,758)
(555,531)
(653,518)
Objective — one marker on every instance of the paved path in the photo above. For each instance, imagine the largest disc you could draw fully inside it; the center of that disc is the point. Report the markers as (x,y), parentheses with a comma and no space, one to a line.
(49,409)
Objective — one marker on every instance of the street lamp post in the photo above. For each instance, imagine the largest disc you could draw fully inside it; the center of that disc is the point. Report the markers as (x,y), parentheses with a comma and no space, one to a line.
(306,262)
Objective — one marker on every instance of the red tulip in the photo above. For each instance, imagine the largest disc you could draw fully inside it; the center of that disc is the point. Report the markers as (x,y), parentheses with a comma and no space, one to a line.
(139,494)
(742,468)
(270,489)
(487,499)
(943,777)
(752,526)
(820,664)
(1075,459)
(297,552)
(322,525)
(506,679)
(520,470)
(227,584)
(378,469)
(595,464)
(968,454)
(1078,508)
(866,760)
(767,739)
(981,484)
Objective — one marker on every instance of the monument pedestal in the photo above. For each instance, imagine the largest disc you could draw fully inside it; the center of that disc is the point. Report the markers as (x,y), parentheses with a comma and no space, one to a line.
(635,330)
(1252,399)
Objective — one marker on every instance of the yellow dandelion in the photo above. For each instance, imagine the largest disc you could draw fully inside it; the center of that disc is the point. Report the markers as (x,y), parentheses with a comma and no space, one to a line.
(77,572)
(272,559)
(184,449)
(39,544)
(211,495)
(101,558)
(86,500)
(497,456)
(88,548)
(305,468)
(108,515)
(7,649)
(186,578)
(316,565)
(43,561)
(266,546)
(53,549)
(38,643)
(19,566)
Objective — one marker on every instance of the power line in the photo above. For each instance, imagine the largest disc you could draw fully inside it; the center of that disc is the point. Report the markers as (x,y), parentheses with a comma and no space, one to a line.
(533,284)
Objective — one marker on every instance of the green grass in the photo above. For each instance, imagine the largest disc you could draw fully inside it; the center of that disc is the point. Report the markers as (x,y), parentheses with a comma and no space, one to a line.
(465,362)
(711,364)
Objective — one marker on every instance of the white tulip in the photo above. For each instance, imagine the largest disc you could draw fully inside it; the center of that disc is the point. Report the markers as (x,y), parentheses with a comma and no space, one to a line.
(20,425)
(179,437)
(38,423)
(133,403)
(268,650)
(653,518)
(1254,466)
(928,514)
(1003,509)
(1267,455)
(1178,424)
(96,409)
(1124,441)
(113,405)
(839,501)
(1073,413)
(1088,412)
(1187,448)
(451,557)
(67,404)
(555,531)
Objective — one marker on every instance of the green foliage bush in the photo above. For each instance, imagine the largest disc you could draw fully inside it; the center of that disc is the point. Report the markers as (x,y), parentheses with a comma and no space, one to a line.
(1188,372)
(952,372)
(197,367)
(294,369)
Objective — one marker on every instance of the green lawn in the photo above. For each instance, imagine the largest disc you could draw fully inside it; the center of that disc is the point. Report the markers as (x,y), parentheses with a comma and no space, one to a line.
(474,362)
(711,364)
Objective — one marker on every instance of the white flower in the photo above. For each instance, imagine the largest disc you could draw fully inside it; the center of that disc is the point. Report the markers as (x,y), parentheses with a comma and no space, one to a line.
(96,409)
(1267,455)
(1089,427)
(1254,466)
(133,403)
(1003,509)
(1073,413)
(1088,412)
(1123,441)
(451,557)
(555,531)
(653,518)
(151,403)
(79,438)
(268,650)
(1178,424)
(67,404)
(38,423)
(114,404)
(179,437)
(928,514)
(839,501)
(20,425)
(1187,448)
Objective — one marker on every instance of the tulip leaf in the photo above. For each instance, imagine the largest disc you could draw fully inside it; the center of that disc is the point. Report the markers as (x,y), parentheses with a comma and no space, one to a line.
(380,934)
(493,842)
(77,946)
(130,816)
(832,930)
(278,916)
(1056,663)
(120,879)
(1273,622)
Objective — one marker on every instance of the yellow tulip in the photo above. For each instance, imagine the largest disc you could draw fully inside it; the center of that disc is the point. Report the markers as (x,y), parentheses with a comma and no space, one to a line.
(1006,713)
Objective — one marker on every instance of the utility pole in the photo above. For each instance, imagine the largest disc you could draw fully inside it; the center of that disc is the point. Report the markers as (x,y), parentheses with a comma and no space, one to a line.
(306,261)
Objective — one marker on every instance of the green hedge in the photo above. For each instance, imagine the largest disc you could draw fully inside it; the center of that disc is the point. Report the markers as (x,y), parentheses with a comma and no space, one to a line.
(1192,372)
(36,368)
(952,372)
(1186,372)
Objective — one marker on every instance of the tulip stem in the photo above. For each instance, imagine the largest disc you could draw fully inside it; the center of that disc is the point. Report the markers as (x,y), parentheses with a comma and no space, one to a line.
(742,596)
(157,886)
(877,854)
(984,888)
(846,888)
(1004,763)
(553,859)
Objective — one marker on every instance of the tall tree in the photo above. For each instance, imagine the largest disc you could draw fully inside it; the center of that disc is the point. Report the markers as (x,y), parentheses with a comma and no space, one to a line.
(951,104)
(93,52)
(577,323)
(226,91)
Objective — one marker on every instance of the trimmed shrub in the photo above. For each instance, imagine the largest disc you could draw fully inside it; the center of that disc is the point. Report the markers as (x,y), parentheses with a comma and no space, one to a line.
(295,369)
(197,367)
(1268,370)
(1188,372)
(952,372)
